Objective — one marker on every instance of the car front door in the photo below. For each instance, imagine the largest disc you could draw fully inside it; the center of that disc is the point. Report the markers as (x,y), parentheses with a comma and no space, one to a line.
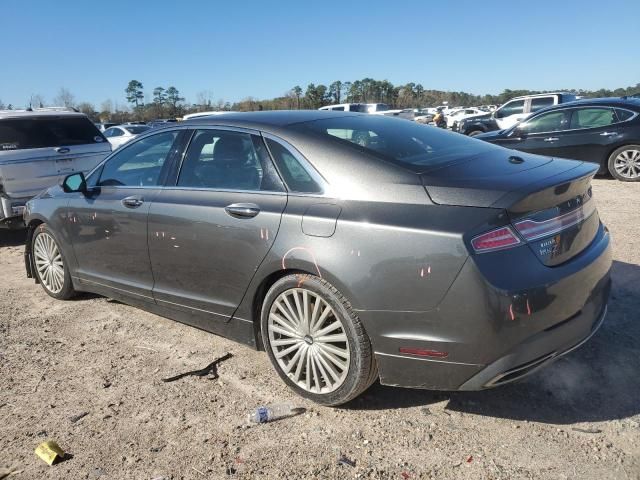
(509,114)
(541,134)
(108,225)
(209,233)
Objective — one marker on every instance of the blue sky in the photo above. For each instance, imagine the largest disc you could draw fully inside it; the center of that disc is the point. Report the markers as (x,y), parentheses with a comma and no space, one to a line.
(263,48)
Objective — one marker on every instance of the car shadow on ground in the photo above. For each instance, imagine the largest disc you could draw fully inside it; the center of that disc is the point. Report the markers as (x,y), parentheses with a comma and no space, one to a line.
(12,238)
(597,382)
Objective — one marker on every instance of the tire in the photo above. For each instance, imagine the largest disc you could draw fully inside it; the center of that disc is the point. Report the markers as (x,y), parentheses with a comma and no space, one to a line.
(340,369)
(50,265)
(473,133)
(624,163)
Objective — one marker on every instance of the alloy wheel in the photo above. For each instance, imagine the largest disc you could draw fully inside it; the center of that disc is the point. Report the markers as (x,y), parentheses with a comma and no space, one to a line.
(49,262)
(627,163)
(308,341)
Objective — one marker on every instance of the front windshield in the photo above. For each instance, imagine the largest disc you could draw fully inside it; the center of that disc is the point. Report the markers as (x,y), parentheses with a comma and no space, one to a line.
(410,144)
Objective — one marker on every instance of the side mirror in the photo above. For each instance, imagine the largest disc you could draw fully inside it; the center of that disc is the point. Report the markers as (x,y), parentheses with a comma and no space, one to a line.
(517,132)
(74,183)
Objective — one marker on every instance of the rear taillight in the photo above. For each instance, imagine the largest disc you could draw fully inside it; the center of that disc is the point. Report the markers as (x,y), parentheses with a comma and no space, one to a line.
(532,229)
(495,240)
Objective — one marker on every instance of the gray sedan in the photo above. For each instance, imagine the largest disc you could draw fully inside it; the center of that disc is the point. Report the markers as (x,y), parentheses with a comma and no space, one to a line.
(350,247)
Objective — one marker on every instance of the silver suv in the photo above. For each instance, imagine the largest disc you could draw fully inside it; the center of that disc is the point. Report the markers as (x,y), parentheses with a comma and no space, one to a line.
(38,148)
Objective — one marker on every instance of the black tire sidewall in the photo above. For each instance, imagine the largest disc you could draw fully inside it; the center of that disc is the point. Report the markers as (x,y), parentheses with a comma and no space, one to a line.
(360,351)
(612,159)
(67,287)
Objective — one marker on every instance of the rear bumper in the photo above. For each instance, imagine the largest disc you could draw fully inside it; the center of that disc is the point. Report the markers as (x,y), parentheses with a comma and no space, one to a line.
(484,336)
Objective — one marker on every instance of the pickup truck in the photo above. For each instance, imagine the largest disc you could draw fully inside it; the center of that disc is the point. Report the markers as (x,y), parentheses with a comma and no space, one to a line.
(38,148)
(512,112)
(372,108)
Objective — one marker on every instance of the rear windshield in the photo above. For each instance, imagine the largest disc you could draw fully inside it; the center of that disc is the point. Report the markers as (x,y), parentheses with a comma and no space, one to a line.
(21,133)
(418,147)
(136,130)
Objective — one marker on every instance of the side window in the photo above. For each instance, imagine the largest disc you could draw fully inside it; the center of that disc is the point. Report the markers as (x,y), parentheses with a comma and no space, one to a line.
(226,160)
(338,108)
(117,132)
(140,163)
(539,103)
(623,115)
(592,118)
(294,174)
(514,107)
(547,122)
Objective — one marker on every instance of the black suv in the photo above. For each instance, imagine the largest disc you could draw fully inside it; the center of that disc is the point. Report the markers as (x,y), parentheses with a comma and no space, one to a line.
(605,131)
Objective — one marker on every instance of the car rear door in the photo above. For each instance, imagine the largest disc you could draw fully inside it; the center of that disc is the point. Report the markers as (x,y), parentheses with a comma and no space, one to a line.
(593,132)
(108,225)
(38,151)
(210,231)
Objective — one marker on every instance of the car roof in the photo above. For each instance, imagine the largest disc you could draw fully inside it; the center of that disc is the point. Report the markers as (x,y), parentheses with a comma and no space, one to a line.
(546,94)
(268,119)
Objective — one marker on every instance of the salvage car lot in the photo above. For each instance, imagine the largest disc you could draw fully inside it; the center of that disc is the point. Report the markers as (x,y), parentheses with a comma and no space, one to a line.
(579,418)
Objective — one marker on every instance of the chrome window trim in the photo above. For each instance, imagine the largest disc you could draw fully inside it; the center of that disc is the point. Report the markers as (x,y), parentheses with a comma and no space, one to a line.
(306,165)
(574,107)
(221,190)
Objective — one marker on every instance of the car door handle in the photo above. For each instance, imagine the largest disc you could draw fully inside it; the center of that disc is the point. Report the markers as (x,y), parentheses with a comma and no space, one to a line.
(608,134)
(132,202)
(62,150)
(551,139)
(242,210)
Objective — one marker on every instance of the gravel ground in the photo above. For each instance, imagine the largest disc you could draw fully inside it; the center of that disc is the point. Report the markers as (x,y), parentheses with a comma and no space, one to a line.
(577,419)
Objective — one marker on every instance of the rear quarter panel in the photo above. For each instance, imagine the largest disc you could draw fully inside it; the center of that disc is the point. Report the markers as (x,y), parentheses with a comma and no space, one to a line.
(382,256)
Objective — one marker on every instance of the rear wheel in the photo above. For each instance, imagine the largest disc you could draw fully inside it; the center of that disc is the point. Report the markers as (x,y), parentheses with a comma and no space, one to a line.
(50,265)
(624,163)
(315,341)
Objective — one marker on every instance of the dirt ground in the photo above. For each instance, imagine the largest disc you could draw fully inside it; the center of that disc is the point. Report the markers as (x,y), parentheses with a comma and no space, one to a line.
(577,419)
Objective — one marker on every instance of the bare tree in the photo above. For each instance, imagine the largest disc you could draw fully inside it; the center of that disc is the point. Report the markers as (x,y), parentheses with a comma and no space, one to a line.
(37,101)
(64,98)
(204,100)
(88,109)
(106,106)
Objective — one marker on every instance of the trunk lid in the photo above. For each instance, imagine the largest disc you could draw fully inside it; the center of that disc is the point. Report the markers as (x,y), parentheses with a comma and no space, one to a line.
(548,201)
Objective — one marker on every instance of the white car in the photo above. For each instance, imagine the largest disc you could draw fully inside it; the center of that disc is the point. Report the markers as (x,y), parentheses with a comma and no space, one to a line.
(456,116)
(118,136)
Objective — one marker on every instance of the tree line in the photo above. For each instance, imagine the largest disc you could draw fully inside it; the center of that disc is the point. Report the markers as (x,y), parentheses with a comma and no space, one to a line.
(169,102)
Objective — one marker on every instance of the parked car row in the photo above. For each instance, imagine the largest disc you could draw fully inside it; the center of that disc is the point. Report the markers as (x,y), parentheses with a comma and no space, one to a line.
(603,131)
(351,247)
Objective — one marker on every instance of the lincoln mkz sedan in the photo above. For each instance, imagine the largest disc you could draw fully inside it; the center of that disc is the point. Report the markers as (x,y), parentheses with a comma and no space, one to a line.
(350,247)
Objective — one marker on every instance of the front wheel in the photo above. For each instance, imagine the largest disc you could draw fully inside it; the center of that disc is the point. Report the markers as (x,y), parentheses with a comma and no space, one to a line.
(473,133)
(315,340)
(624,163)
(50,265)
